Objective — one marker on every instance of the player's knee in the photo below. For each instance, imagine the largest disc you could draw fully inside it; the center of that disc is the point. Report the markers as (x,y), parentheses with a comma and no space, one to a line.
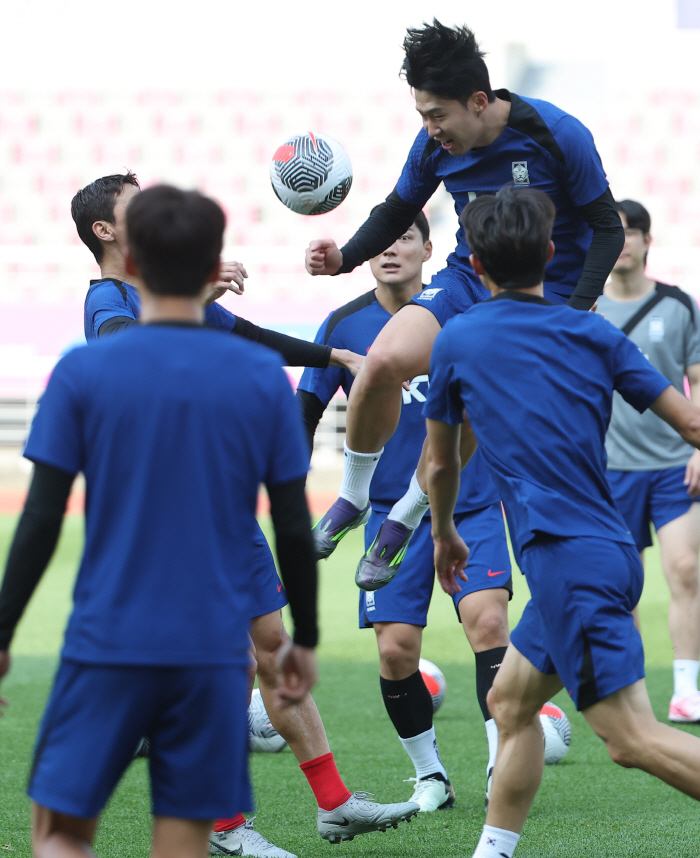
(383,367)
(397,659)
(489,629)
(684,575)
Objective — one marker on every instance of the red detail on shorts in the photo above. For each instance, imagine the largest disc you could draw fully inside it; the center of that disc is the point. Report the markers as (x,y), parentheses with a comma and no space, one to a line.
(284,153)
(229,824)
(325,781)
(313,140)
(493,574)
(431,683)
(279,588)
(551,709)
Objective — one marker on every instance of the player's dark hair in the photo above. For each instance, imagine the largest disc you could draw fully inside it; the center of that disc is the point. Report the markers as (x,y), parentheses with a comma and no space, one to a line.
(175,238)
(637,216)
(96,202)
(509,233)
(445,61)
(420,223)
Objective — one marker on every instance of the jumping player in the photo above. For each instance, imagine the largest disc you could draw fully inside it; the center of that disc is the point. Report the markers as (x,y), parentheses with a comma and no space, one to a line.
(653,474)
(170,522)
(398,612)
(539,411)
(474,140)
(99,213)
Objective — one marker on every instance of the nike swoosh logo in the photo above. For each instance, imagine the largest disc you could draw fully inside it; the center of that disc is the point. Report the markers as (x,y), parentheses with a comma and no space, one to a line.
(493,575)
(343,822)
(279,588)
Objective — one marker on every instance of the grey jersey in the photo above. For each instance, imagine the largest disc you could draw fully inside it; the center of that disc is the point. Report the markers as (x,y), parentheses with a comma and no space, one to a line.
(669,337)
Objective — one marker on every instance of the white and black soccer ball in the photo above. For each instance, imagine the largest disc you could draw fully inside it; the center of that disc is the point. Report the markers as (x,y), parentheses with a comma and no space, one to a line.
(262,736)
(311,173)
(434,680)
(557,733)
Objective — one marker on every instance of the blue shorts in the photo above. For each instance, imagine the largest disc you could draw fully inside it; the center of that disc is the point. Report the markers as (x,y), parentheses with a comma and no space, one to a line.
(456,288)
(267,594)
(195,719)
(644,496)
(578,623)
(406,599)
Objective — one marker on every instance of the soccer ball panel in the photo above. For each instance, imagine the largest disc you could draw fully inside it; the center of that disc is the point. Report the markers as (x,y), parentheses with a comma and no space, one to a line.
(311,173)
(557,733)
(434,680)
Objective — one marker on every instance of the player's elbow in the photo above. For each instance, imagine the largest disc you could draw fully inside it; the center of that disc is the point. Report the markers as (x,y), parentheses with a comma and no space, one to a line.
(690,430)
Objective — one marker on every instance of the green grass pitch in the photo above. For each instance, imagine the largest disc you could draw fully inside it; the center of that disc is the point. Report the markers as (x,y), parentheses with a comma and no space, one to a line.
(586,805)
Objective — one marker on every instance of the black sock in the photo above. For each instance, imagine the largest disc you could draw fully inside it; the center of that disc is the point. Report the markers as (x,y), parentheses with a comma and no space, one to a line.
(409,704)
(487,664)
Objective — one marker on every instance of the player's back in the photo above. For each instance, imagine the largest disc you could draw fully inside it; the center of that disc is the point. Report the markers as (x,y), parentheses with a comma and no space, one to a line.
(537,379)
(174,427)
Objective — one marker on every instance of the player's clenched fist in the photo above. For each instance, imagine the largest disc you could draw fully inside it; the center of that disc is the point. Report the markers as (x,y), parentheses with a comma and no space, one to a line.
(323,257)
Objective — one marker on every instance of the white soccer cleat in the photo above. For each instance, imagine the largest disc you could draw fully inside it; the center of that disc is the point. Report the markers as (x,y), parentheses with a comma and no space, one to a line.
(245,840)
(359,816)
(432,794)
(262,736)
(685,710)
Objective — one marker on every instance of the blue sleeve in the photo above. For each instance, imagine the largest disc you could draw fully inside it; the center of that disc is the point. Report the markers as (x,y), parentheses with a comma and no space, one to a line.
(583,176)
(324,383)
(418,182)
(444,401)
(634,377)
(105,302)
(217,316)
(56,434)
(289,459)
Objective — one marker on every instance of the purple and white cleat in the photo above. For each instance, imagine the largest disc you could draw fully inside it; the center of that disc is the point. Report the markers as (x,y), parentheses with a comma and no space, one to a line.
(383,558)
(340,519)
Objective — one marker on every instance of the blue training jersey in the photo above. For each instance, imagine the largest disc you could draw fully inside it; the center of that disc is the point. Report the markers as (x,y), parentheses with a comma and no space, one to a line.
(355,327)
(541,147)
(174,427)
(108,298)
(540,407)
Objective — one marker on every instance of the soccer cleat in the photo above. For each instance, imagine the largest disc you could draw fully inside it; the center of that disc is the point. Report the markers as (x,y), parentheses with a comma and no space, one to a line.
(432,793)
(383,558)
(245,840)
(685,710)
(340,519)
(489,784)
(359,816)
(143,749)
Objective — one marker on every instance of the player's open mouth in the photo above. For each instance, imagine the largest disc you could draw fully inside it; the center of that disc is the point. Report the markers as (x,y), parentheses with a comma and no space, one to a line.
(390,266)
(447,144)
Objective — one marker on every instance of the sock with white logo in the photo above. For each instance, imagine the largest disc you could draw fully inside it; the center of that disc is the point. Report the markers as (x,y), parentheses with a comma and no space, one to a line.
(358,470)
(424,754)
(412,506)
(685,677)
(492,739)
(496,843)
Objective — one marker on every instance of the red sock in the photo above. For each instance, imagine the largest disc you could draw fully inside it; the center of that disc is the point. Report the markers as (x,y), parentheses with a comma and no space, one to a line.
(325,781)
(230,824)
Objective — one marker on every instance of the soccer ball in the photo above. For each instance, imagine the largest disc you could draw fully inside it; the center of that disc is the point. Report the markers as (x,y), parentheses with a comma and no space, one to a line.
(262,736)
(311,173)
(434,680)
(557,733)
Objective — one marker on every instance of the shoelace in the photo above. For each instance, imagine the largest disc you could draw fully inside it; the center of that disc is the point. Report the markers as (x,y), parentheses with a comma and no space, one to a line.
(420,785)
(361,794)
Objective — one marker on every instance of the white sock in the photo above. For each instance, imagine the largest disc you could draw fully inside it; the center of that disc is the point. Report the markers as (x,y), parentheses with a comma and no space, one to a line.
(685,677)
(496,842)
(424,754)
(492,738)
(358,470)
(412,506)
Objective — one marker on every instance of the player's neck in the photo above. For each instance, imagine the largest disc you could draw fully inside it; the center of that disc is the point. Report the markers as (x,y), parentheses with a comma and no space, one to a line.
(393,297)
(170,308)
(629,286)
(531,290)
(494,120)
(113,265)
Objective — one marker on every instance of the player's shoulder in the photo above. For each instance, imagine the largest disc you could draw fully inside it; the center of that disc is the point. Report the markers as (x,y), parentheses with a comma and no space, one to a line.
(552,128)
(675,293)
(362,304)
(113,287)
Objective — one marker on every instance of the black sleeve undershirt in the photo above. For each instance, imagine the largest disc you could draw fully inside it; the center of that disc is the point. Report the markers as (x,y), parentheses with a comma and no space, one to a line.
(311,413)
(116,323)
(33,545)
(295,352)
(606,246)
(388,222)
(296,556)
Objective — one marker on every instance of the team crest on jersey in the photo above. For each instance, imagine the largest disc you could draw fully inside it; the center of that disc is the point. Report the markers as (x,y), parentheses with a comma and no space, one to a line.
(428,294)
(369,601)
(520,173)
(656,329)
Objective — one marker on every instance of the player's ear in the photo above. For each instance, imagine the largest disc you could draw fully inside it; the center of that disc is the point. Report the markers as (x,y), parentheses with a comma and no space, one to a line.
(215,272)
(131,268)
(647,240)
(477,266)
(551,250)
(103,230)
(428,250)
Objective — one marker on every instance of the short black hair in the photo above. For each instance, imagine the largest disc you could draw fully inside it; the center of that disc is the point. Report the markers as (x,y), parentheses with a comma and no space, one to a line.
(509,233)
(445,61)
(420,223)
(175,238)
(96,202)
(637,216)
